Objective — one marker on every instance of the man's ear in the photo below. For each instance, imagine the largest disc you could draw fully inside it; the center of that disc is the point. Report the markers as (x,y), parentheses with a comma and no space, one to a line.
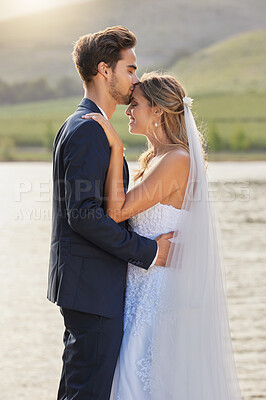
(103,69)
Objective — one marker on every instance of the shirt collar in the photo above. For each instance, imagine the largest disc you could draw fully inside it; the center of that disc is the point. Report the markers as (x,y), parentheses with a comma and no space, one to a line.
(102,111)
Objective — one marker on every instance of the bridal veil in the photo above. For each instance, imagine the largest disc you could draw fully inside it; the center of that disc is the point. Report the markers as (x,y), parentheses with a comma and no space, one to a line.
(192,356)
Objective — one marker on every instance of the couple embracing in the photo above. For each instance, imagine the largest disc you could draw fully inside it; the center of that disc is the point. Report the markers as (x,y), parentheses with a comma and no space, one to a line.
(137,274)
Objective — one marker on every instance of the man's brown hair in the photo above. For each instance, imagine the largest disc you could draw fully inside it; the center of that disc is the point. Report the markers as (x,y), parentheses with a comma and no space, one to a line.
(104,46)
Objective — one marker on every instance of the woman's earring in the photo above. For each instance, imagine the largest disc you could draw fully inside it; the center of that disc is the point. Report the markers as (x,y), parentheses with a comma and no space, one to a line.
(156,124)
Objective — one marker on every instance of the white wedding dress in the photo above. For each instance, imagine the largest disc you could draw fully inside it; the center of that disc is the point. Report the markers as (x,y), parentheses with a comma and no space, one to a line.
(132,375)
(177,342)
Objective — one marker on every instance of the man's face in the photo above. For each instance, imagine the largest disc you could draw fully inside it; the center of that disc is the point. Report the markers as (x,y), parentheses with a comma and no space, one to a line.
(124,77)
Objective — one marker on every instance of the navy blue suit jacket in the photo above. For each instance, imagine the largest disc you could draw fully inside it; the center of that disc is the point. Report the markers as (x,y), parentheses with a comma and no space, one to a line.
(89,251)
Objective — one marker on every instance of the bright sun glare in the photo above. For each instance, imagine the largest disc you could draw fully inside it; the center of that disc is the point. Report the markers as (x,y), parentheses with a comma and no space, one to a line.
(37,5)
(12,8)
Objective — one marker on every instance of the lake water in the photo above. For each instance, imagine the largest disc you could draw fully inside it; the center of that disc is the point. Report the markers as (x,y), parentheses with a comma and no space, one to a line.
(31,327)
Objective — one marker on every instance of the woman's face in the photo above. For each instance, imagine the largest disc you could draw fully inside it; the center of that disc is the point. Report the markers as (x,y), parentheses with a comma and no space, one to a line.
(140,114)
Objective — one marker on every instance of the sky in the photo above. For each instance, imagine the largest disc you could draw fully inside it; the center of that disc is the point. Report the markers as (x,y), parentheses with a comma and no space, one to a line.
(14,8)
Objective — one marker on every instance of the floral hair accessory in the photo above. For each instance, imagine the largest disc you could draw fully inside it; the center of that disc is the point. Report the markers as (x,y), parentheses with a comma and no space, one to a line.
(188,101)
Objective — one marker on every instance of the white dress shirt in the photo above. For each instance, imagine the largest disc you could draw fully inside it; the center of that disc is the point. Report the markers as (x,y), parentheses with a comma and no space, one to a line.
(105,116)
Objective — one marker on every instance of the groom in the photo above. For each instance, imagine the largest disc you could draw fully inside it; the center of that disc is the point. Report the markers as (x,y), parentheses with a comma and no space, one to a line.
(89,251)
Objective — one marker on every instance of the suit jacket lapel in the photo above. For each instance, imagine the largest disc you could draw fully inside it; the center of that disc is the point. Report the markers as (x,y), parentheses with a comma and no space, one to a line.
(89,105)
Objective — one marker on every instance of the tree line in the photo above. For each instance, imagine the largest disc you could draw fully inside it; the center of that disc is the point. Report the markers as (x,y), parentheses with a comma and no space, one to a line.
(238,140)
(37,90)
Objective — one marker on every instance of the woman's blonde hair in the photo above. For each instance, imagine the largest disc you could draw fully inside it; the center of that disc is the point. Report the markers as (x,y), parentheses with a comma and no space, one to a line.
(164,91)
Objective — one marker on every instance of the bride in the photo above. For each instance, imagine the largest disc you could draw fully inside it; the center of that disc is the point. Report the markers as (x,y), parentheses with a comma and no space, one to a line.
(176,343)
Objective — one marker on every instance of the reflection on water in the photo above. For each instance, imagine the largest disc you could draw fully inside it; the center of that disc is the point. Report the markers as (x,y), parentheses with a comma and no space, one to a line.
(31,326)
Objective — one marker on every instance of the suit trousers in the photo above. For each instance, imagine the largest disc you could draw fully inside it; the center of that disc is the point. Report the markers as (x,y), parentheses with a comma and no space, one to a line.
(92,344)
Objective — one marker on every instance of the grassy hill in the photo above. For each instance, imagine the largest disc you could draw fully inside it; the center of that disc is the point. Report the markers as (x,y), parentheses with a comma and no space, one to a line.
(41,44)
(234,65)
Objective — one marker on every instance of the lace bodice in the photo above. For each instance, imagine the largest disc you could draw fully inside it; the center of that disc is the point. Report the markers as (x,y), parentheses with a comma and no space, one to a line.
(161,218)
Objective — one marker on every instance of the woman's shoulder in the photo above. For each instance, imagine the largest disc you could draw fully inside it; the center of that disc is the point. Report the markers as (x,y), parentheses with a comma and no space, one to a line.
(176,158)
(171,166)
(173,163)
